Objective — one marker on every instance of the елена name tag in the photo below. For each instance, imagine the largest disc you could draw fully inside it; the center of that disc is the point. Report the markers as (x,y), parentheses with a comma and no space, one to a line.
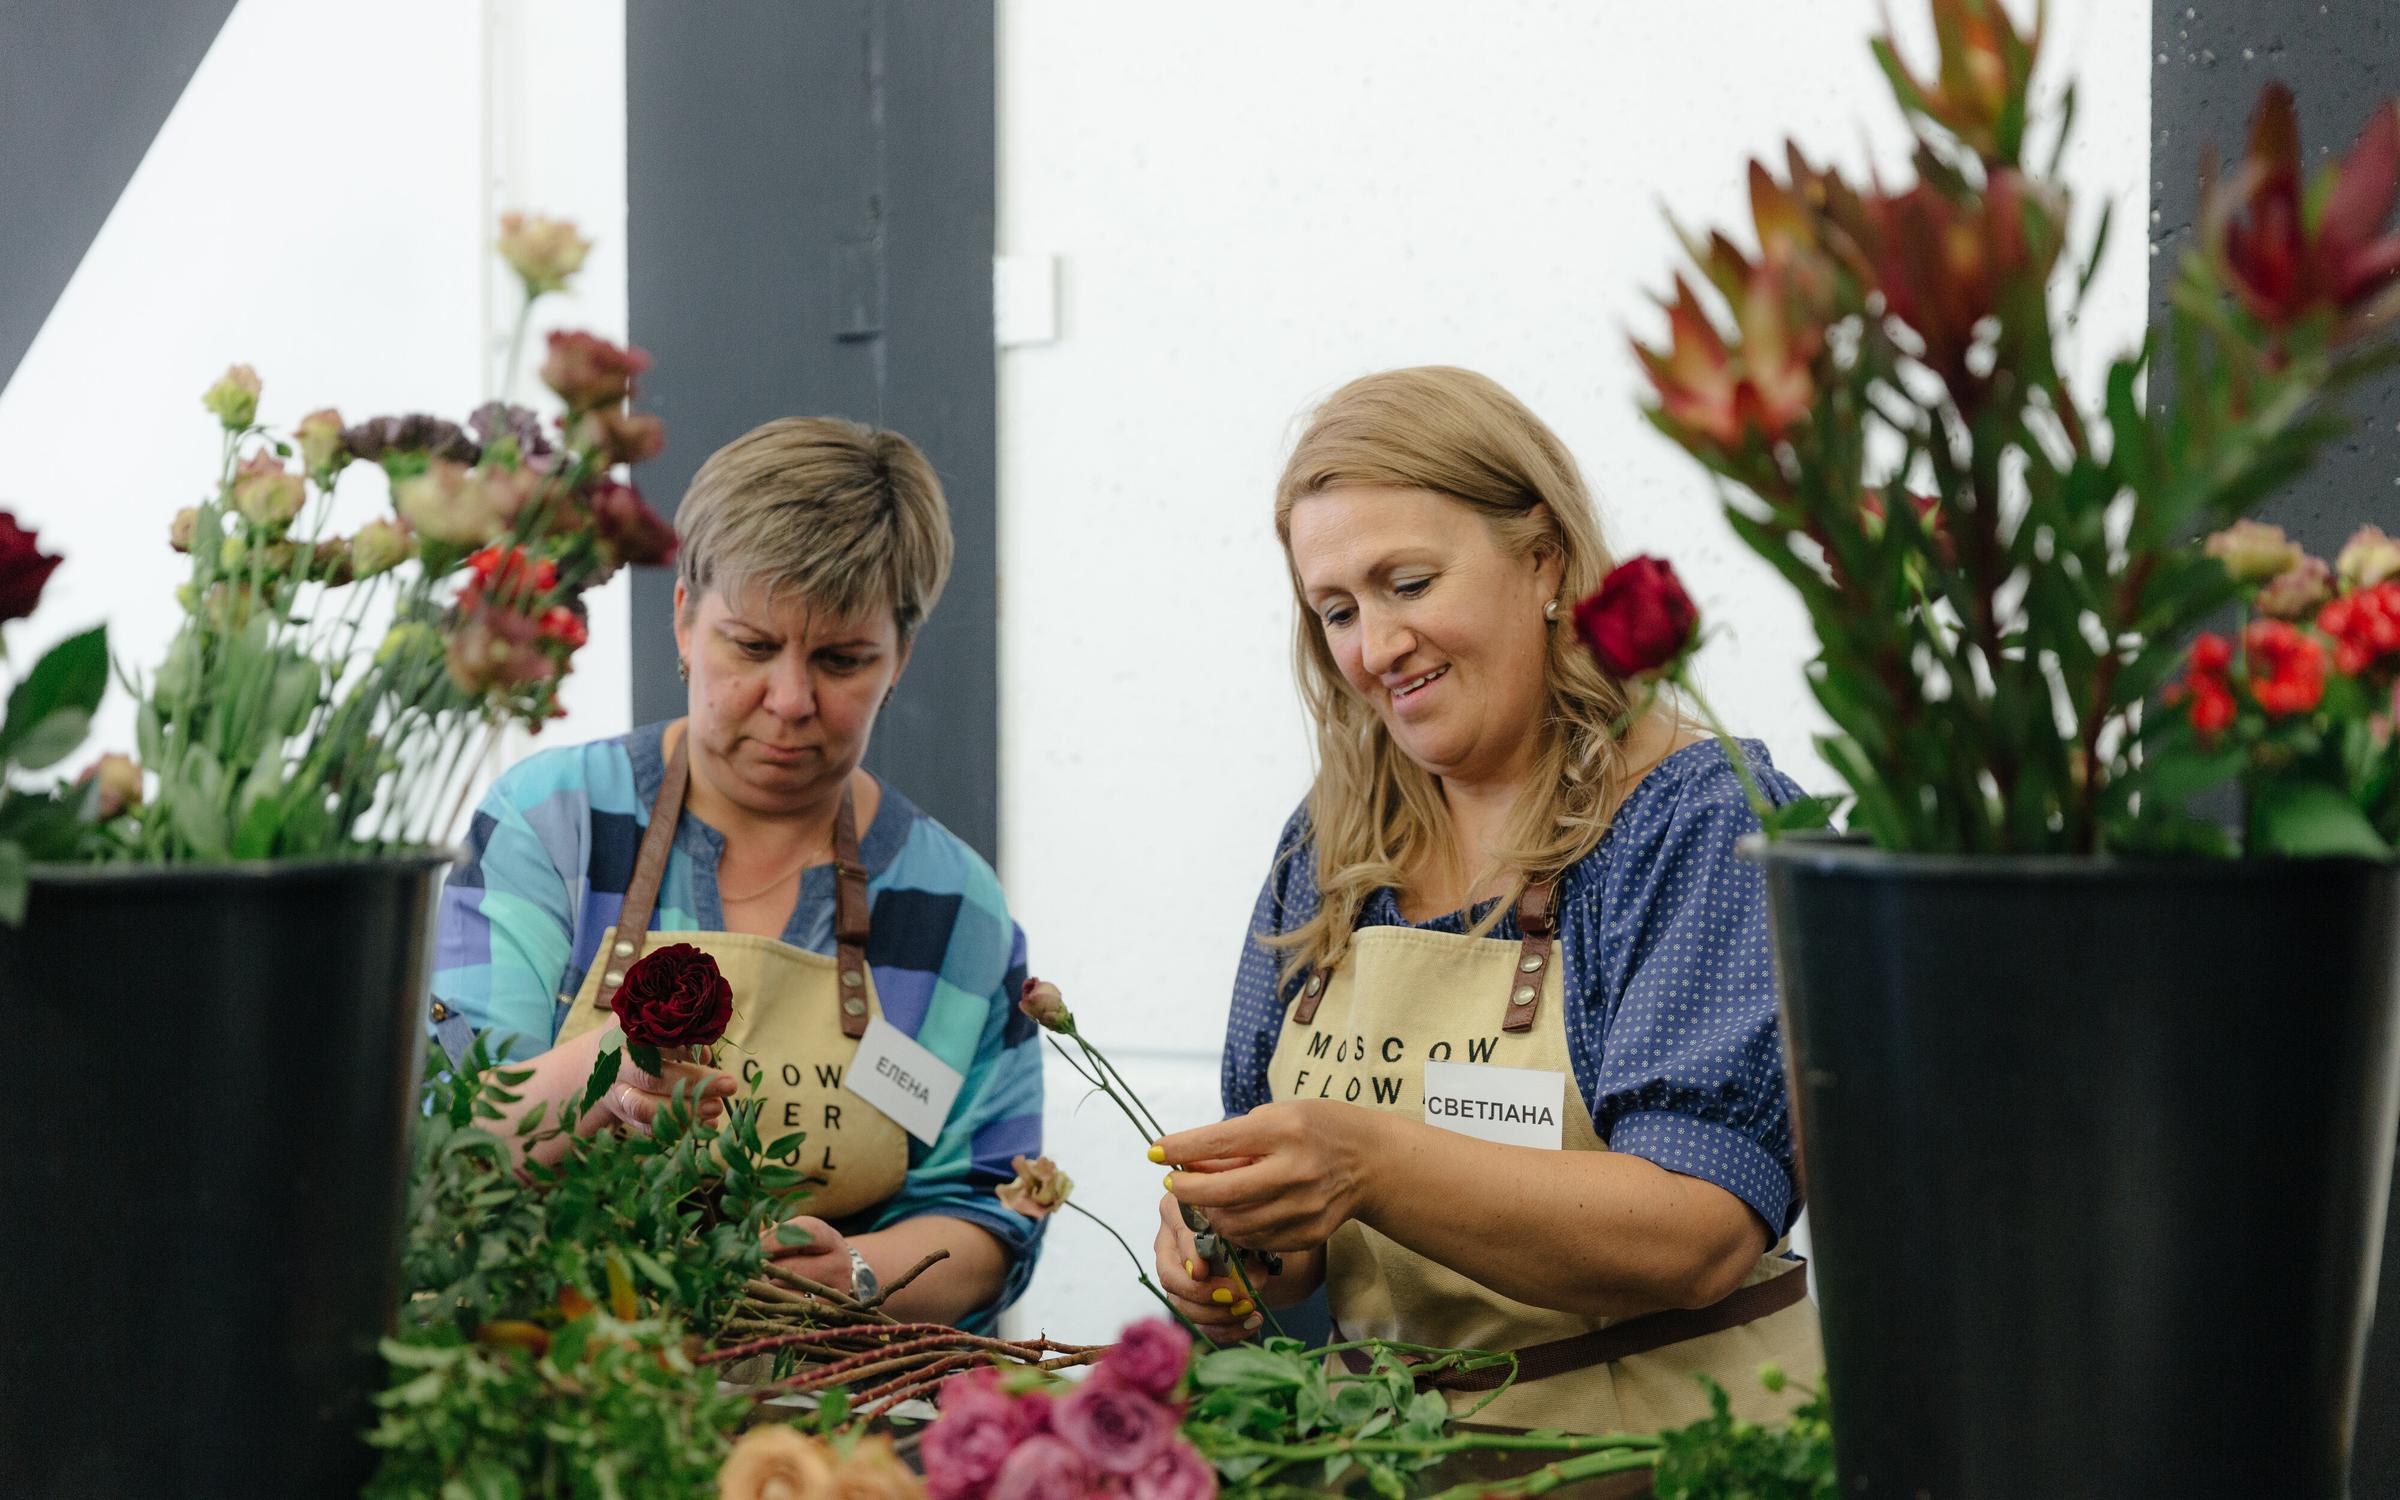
(903,1080)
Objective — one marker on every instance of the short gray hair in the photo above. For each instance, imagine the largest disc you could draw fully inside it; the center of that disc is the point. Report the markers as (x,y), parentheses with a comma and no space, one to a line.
(845,515)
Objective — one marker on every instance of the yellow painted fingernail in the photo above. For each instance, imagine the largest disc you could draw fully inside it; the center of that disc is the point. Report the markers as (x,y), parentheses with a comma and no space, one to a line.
(1244,1308)
(1158,1154)
(1170,1182)
(1221,1297)
(1190,1269)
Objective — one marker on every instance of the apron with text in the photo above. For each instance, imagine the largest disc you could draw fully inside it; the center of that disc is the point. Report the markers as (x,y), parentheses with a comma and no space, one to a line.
(797,1015)
(1362,1034)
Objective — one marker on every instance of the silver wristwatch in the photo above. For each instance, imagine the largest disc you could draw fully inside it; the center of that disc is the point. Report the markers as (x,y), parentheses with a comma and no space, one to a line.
(863,1285)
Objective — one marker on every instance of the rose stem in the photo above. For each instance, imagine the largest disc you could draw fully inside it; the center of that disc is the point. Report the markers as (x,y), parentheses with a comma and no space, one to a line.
(905,1277)
(1140,1273)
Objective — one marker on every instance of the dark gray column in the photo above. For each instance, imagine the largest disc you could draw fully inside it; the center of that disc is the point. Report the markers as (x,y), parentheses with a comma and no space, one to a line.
(84,86)
(2339,59)
(811,195)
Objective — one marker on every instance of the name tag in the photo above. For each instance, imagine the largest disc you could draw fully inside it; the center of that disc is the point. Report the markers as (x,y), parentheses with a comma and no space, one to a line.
(1514,1106)
(903,1080)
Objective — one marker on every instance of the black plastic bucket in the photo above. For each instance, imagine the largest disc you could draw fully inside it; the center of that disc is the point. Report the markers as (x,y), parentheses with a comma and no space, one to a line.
(214,1075)
(2097,1156)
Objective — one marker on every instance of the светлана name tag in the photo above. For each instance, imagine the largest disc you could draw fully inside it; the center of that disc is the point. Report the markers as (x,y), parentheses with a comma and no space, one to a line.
(1514,1106)
(908,1083)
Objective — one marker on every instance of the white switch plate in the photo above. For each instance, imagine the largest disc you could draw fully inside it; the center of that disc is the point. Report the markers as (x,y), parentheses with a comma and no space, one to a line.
(1024,300)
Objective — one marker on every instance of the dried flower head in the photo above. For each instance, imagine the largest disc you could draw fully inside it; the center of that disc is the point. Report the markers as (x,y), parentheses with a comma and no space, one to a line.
(1038,1189)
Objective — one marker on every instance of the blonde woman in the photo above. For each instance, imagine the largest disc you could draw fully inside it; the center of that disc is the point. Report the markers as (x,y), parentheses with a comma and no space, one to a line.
(811,550)
(1503,1069)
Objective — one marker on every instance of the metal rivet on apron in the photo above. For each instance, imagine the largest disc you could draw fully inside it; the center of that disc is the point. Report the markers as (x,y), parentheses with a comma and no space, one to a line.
(854,1006)
(1523,996)
(441,1012)
(1533,962)
(1316,982)
(613,976)
(850,979)
(624,948)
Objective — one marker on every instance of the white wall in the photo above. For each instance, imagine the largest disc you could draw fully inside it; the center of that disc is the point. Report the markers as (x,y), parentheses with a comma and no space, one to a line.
(1252,202)
(320,205)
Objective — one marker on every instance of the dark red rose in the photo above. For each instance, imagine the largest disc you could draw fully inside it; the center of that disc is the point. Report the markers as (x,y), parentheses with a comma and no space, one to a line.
(1640,621)
(630,531)
(24,569)
(674,997)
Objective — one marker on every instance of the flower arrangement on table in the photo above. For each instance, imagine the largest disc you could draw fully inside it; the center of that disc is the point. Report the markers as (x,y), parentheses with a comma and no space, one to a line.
(2002,578)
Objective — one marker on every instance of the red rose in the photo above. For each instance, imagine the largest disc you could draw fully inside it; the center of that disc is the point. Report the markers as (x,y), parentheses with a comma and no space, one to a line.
(674,997)
(1640,622)
(24,569)
(2287,668)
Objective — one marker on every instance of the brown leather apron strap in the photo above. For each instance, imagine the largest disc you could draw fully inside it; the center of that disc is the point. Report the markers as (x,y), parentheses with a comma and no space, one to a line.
(1312,994)
(850,919)
(1537,918)
(850,907)
(649,871)
(1642,1335)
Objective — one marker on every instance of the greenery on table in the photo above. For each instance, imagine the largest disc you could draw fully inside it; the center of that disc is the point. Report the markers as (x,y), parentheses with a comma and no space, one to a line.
(546,1333)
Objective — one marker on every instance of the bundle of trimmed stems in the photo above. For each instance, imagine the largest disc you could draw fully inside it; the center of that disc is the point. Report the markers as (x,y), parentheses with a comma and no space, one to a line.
(840,1341)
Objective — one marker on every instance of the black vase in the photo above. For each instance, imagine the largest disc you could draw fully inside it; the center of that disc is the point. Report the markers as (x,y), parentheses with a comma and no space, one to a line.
(214,1072)
(2096,1156)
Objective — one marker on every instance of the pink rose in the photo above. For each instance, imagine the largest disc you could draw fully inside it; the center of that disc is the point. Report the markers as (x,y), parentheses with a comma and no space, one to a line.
(1043,1468)
(1149,1358)
(1179,1473)
(980,1425)
(1119,1430)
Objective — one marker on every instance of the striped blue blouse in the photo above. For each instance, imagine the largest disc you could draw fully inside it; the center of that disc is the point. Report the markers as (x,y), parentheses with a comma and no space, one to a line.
(549,855)
(1670,986)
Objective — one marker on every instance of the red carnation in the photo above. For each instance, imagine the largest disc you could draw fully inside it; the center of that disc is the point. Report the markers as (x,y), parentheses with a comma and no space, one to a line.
(672,997)
(24,569)
(1640,622)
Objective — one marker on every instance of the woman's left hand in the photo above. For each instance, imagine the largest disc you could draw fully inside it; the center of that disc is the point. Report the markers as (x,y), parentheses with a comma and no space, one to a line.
(1304,1176)
(825,1259)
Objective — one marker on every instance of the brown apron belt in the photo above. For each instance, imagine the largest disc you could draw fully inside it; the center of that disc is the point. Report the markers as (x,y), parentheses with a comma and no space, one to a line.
(650,869)
(1642,1335)
(1536,918)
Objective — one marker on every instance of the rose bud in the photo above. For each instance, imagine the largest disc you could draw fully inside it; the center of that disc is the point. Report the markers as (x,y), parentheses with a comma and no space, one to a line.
(2291,594)
(322,453)
(2252,551)
(268,495)
(1045,1007)
(2367,559)
(24,569)
(234,398)
(179,530)
(543,252)
(1037,1190)
(115,784)
(588,372)
(380,546)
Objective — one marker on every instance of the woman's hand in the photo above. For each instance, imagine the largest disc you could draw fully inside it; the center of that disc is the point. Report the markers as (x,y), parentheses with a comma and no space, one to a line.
(1216,1304)
(825,1259)
(635,1099)
(1283,1177)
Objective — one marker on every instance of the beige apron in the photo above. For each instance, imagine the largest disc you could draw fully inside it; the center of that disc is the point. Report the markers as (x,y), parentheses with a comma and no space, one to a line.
(1362,1034)
(797,1015)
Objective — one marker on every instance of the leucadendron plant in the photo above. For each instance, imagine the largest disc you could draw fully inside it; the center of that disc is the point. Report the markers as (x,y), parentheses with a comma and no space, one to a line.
(2003,571)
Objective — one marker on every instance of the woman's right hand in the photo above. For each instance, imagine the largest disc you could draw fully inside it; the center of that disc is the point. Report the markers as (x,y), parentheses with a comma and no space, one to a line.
(636,1098)
(1215,1304)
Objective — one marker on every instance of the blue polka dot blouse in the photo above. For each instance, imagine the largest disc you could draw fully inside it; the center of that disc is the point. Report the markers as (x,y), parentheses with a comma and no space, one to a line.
(1670,986)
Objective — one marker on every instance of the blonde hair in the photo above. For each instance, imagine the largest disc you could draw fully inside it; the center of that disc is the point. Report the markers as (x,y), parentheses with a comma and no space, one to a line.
(1375,814)
(845,515)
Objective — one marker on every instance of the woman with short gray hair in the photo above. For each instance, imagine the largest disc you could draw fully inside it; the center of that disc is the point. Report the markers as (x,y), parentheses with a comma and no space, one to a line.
(854,929)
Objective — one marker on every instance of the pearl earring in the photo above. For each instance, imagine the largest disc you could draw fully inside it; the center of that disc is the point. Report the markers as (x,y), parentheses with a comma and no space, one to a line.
(683,668)
(1550,610)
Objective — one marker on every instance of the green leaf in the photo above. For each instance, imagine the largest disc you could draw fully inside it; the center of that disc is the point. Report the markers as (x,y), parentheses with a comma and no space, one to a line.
(69,679)
(15,883)
(2306,817)
(604,1077)
(645,1057)
(1247,1365)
